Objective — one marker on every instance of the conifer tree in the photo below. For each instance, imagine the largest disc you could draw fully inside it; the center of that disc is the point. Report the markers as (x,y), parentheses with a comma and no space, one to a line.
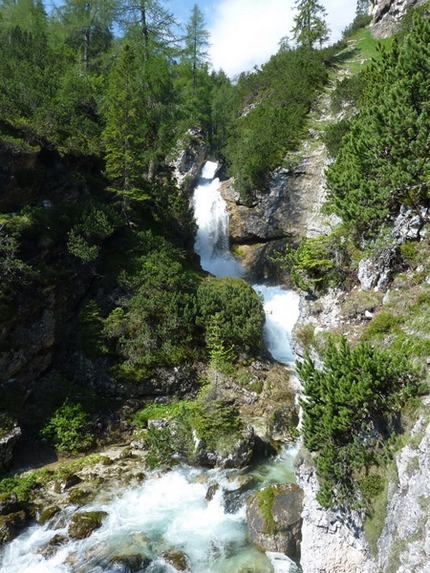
(196,42)
(310,26)
(384,159)
(122,134)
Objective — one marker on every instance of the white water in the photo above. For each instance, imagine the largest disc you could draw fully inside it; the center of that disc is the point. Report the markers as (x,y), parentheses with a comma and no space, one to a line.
(164,514)
(170,512)
(212,244)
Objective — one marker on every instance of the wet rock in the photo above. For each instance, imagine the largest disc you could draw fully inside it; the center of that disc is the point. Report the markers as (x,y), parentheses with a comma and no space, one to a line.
(211,491)
(274,519)
(128,563)
(46,514)
(50,549)
(232,500)
(9,503)
(177,559)
(10,525)
(66,483)
(83,524)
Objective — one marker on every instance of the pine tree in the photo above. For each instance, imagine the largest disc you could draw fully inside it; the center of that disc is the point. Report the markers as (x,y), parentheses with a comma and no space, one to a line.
(310,26)
(384,160)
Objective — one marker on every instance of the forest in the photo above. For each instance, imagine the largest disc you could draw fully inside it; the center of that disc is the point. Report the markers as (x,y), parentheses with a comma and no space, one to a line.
(96,100)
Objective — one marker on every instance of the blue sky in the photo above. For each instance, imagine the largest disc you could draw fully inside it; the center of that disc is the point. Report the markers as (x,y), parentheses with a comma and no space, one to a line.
(245,33)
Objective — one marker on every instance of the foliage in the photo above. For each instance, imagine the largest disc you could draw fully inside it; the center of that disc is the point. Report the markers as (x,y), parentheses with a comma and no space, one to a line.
(85,237)
(69,428)
(154,411)
(313,265)
(350,407)
(373,173)
(265,499)
(272,107)
(216,422)
(22,486)
(310,26)
(231,315)
(6,424)
(152,324)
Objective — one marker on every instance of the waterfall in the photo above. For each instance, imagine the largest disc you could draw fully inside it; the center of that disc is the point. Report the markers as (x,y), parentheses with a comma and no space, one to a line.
(212,244)
(170,513)
(210,211)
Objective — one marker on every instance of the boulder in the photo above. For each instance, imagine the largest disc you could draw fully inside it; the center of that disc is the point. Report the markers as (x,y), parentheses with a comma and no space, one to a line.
(237,454)
(177,559)
(274,519)
(83,524)
(54,544)
(10,525)
(128,563)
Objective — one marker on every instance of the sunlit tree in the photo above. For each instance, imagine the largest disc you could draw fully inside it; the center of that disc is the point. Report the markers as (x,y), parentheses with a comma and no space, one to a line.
(310,26)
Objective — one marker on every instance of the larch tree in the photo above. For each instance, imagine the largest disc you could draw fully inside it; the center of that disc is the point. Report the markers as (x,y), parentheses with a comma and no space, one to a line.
(122,134)
(310,26)
(196,42)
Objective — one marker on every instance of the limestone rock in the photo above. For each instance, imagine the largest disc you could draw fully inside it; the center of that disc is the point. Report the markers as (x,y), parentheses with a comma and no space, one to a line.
(386,15)
(281,531)
(191,155)
(404,545)
(332,540)
(377,271)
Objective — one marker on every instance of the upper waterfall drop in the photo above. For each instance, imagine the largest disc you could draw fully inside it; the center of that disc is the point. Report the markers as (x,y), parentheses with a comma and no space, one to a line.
(212,241)
(212,244)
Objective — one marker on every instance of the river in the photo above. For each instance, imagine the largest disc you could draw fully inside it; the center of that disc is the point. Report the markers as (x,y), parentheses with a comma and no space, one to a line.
(169,513)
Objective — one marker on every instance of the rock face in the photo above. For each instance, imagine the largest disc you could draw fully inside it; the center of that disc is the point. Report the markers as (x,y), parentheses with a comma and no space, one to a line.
(332,541)
(281,531)
(404,545)
(191,155)
(386,14)
(7,442)
(291,208)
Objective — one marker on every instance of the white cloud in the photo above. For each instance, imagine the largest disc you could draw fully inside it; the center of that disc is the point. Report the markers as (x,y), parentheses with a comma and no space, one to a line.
(245,33)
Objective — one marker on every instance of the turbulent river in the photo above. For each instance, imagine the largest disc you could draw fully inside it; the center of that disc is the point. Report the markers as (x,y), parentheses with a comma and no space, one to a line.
(169,512)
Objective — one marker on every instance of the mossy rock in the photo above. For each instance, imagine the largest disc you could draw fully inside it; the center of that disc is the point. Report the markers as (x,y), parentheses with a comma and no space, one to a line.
(46,514)
(274,519)
(177,559)
(83,524)
(130,563)
(10,525)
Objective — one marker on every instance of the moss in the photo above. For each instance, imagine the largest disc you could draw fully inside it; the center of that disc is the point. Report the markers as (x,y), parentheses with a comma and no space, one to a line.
(265,499)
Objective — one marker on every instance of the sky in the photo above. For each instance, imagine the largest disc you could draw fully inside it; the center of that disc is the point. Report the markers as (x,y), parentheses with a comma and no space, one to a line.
(245,33)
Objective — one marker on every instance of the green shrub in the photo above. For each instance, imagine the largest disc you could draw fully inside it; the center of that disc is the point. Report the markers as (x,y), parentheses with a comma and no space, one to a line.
(232,317)
(23,486)
(350,407)
(382,324)
(69,428)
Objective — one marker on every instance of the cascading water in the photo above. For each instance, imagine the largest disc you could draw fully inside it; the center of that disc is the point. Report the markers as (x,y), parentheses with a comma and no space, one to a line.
(212,241)
(170,513)
(212,244)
